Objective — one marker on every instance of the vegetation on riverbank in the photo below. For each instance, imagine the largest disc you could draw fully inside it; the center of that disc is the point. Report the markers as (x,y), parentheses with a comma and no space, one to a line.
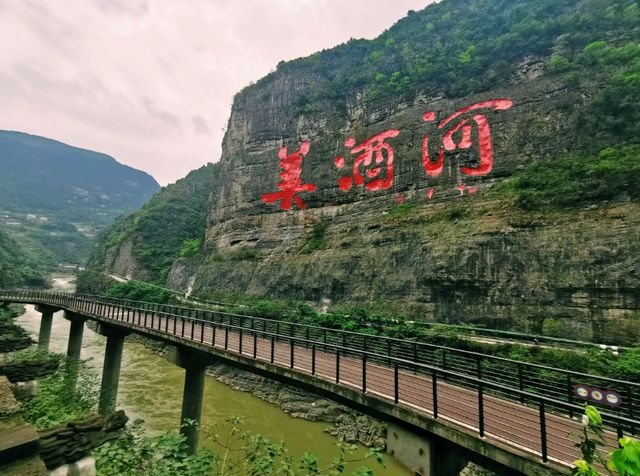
(240,452)
(59,399)
(12,336)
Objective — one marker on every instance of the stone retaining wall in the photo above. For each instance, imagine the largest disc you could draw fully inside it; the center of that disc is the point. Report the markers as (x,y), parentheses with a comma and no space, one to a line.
(25,371)
(71,442)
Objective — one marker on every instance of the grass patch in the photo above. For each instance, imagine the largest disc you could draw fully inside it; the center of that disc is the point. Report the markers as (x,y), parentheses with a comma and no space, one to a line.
(316,240)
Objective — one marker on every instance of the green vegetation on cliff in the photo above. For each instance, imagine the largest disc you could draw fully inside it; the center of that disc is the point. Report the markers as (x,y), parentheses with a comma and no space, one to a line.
(458,47)
(22,263)
(170,225)
(576,180)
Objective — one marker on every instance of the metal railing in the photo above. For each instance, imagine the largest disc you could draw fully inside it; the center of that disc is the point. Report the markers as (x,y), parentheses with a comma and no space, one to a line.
(470,389)
(544,380)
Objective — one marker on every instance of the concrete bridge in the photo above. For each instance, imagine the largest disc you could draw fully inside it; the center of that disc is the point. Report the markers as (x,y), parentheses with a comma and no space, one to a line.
(444,406)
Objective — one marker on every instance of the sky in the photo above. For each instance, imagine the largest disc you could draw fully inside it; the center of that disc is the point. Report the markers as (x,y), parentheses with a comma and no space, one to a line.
(151,82)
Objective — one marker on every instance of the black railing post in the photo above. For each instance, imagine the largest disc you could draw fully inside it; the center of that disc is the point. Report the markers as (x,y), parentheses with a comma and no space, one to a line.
(364,372)
(255,343)
(292,345)
(273,348)
(543,432)
(434,392)
(520,382)
(226,338)
(396,381)
(620,433)
(570,395)
(193,326)
(240,341)
(629,401)
(213,334)
(182,325)
(313,359)
(201,332)
(481,409)
(337,365)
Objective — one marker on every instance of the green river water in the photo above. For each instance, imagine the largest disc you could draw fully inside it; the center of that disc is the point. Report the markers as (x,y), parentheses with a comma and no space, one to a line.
(151,389)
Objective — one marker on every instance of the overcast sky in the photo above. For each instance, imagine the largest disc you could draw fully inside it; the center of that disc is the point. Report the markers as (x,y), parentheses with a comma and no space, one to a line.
(151,82)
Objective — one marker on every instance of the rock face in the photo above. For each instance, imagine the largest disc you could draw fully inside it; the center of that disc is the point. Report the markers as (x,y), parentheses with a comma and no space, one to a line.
(436,248)
(310,206)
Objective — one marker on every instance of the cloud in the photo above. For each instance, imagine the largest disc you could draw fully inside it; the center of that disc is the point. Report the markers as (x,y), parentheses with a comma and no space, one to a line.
(132,8)
(200,124)
(164,116)
(151,83)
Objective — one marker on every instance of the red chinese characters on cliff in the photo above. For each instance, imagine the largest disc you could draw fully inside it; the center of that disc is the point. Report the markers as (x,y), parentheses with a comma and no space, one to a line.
(465,127)
(373,166)
(373,159)
(291,184)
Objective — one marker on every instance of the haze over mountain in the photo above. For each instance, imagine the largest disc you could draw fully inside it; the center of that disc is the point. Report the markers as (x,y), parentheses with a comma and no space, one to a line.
(54,197)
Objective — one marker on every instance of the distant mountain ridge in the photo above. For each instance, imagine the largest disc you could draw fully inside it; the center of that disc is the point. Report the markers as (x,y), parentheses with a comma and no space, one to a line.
(55,197)
(45,175)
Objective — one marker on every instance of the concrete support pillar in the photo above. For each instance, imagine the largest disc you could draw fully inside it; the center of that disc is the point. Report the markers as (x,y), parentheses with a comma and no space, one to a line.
(111,368)
(44,336)
(192,406)
(423,455)
(73,347)
(75,336)
(195,365)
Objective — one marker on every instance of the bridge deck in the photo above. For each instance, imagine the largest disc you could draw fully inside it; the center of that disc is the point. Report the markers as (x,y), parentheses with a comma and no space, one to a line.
(503,422)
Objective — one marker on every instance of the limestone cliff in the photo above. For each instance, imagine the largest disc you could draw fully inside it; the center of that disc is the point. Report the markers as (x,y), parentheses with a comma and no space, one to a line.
(527,220)
(439,247)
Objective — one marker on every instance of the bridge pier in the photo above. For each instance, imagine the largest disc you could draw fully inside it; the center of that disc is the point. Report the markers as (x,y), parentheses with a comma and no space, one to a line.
(110,368)
(423,455)
(195,365)
(74,346)
(44,335)
(75,334)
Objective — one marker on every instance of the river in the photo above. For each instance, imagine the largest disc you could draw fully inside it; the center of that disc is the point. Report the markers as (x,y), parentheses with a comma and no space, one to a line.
(151,389)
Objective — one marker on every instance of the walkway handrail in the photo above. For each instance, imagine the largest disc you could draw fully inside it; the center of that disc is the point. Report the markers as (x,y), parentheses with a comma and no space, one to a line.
(157,307)
(525,373)
(192,329)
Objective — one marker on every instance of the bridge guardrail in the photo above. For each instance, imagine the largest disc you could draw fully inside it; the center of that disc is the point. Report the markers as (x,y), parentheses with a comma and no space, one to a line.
(545,380)
(481,382)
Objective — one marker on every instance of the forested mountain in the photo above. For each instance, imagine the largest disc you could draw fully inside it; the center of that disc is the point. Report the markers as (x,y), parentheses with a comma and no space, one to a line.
(477,162)
(22,263)
(46,176)
(58,195)
(145,244)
